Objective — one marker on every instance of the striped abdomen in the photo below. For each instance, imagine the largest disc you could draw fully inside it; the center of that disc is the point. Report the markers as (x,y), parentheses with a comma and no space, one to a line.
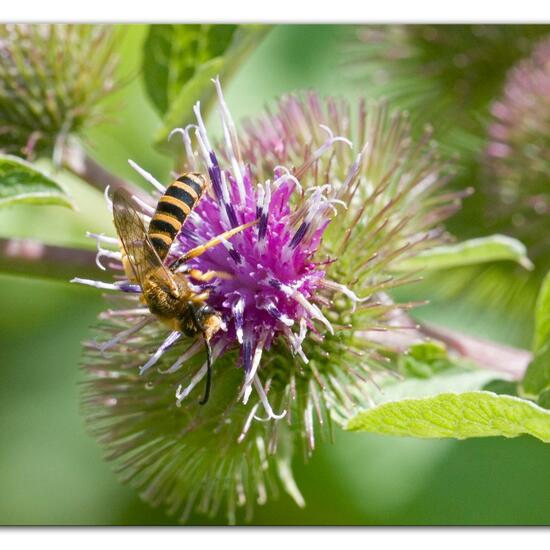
(174,206)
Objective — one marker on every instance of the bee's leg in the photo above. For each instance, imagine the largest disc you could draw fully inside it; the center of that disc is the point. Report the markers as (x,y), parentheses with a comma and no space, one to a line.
(198,250)
(207,275)
(200,298)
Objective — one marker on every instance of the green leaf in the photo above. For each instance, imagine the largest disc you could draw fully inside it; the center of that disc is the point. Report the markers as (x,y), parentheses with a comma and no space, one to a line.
(455,378)
(174,53)
(537,375)
(544,399)
(456,415)
(181,111)
(471,252)
(180,61)
(542,316)
(424,359)
(21,182)
(502,387)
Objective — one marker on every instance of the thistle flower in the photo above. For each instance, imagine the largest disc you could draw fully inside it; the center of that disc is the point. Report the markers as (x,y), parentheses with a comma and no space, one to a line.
(519,149)
(52,80)
(305,286)
(441,71)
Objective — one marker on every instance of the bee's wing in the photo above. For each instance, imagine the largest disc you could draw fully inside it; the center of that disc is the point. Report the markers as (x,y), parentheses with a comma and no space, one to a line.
(140,252)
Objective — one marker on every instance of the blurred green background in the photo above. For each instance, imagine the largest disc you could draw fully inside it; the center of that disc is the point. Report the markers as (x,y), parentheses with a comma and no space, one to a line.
(52,472)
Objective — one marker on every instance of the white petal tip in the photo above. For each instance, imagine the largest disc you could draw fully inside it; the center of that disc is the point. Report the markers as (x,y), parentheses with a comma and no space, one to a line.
(174,132)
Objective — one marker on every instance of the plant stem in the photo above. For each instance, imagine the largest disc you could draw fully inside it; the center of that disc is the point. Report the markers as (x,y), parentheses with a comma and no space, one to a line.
(36,259)
(78,162)
(506,359)
(510,361)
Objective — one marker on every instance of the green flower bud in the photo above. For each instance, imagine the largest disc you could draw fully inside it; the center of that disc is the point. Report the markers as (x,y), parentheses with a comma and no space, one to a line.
(53,79)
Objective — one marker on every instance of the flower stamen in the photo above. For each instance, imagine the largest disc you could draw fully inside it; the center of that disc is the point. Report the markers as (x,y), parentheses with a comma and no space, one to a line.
(271,415)
(125,286)
(181,392)
(169,342)
(147,176)
(190,352)
(123,335)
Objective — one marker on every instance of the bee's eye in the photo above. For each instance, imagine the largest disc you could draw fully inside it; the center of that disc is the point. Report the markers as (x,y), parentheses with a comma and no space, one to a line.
(204,312)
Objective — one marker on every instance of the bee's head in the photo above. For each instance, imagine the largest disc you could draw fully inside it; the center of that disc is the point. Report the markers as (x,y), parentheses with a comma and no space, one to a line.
(209,320)
(201,319)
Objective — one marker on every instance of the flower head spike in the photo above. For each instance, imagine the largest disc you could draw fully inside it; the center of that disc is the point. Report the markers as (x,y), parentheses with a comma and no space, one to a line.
(339,197)
(52,80)
(519,149)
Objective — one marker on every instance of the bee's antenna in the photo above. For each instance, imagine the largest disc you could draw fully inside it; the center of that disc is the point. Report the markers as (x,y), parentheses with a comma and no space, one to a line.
(208,357)
(208,372)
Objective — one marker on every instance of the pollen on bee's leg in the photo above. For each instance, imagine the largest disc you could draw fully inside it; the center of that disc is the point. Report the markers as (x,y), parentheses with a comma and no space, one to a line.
(172,338)
(205,276)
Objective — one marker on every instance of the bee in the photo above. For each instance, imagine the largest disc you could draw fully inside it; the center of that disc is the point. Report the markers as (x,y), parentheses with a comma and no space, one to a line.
(166,290)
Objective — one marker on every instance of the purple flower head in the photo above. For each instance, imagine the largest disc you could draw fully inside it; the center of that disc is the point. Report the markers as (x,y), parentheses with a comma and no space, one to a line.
(303,295)
(271,291)
(271,279)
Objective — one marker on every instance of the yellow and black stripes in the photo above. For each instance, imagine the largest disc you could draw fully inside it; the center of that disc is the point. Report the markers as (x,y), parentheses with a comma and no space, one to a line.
(174,206)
